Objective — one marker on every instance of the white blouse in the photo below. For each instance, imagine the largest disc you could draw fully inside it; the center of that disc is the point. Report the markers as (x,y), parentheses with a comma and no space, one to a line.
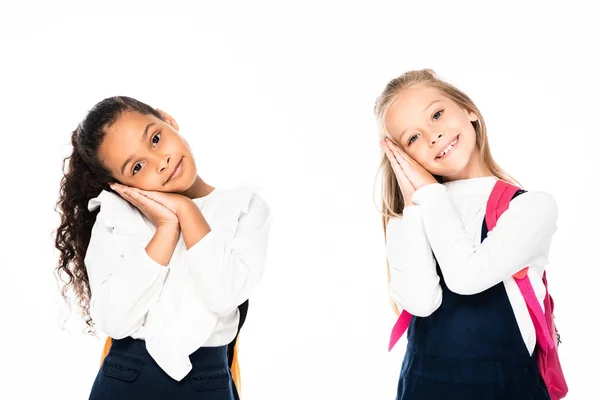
(191,302)
(447,220)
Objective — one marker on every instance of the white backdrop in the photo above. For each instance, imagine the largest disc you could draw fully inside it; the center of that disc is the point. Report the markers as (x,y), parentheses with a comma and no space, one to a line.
(280,95)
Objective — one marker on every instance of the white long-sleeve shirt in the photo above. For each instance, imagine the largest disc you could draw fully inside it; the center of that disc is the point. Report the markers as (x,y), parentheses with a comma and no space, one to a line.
(447,220)
(191,302)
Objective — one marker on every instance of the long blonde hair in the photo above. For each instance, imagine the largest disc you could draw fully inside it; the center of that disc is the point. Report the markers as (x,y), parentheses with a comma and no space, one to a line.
(392,202)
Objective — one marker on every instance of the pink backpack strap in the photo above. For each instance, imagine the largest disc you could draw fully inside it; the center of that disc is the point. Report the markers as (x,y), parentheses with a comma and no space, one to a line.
(542,332)
(399,328)
(501,195)
(498,203)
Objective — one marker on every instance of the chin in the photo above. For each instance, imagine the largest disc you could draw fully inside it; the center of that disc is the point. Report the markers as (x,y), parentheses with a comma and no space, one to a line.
(189,180)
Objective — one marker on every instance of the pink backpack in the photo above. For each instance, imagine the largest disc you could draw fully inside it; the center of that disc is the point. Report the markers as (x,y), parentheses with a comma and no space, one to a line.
(546,333)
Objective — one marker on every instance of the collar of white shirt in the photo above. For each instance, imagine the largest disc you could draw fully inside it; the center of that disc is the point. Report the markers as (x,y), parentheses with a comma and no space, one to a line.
(118,213)
(224,205)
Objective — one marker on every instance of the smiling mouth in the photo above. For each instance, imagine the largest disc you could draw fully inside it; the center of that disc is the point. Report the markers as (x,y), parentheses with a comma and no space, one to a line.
(178,166)
(448,148)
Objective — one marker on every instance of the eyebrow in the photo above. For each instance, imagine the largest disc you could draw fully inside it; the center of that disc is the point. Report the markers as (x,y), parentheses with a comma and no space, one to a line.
(144,136)
(425,109)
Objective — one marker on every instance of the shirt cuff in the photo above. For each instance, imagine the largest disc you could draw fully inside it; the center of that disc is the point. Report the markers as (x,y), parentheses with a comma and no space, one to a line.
(148,262)
(210,243)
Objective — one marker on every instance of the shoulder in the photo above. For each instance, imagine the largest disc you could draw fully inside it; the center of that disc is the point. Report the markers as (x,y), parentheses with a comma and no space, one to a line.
(236,207)
(536,202)
(242,199)
(537,210)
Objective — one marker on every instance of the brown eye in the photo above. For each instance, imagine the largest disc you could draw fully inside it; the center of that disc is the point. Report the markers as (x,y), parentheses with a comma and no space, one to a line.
(136,169)
(156,138)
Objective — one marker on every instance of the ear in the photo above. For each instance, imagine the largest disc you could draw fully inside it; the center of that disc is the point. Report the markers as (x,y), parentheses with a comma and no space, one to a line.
(168,119)
(472,116)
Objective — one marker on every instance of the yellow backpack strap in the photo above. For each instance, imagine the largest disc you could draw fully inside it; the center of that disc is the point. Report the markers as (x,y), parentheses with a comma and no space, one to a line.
(232,349)
(105,349)
(235,369)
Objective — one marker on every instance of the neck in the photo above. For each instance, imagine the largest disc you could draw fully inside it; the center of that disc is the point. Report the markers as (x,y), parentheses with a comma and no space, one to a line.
(198,189)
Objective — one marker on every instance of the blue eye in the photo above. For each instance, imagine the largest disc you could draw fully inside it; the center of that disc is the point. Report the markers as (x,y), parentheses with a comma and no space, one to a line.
(411,141)
(437,115)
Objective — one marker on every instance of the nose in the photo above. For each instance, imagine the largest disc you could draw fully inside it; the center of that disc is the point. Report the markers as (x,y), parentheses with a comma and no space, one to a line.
(163,163)
(436,138)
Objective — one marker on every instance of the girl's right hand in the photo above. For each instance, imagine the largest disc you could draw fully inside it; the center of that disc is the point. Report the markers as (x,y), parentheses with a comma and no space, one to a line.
(406,188)
(158,214)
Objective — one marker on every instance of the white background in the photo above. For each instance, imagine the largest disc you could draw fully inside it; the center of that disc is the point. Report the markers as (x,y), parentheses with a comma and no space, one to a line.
(280,95)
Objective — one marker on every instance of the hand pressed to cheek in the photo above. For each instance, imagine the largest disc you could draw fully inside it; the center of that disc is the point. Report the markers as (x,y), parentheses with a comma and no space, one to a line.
(156,212)
(128,193)
(406,188)
(172,201)
(416,174)
(391,158)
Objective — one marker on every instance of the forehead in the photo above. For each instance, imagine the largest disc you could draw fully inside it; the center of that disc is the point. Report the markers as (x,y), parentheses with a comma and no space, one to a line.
(409,106)
(129,125)
(123,138)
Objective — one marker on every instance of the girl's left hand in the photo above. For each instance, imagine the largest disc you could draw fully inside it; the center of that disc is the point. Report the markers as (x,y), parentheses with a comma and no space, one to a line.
(173,201)
(416,174)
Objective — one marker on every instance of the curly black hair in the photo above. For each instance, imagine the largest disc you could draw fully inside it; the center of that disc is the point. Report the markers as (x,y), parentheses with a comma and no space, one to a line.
(83,179)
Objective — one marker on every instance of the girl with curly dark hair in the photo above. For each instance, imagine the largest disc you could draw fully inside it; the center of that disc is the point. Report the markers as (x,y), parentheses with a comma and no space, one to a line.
(158,260)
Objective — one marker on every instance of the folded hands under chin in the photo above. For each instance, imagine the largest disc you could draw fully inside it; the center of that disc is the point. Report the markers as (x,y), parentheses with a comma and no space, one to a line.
(410,174)
(159,207)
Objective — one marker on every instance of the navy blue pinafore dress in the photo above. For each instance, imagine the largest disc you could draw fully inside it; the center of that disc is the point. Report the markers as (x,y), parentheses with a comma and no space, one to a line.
(469,348)
(130,372)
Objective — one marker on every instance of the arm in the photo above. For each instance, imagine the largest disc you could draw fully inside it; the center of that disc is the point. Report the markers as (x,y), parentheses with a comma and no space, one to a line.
(414,283)
(227,265)
(521,233)
(125,284)
(163,243)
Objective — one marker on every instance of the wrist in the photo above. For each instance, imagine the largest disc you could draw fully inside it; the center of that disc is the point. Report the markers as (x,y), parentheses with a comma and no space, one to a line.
(168,227)
(184,205)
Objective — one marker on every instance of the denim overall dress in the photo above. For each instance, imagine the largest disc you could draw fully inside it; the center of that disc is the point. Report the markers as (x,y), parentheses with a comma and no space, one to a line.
(469,348)
(129,372)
